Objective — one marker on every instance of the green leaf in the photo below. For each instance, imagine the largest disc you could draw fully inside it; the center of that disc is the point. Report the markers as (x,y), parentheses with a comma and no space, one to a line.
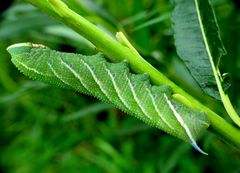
(199,45)
(111,83)
(198,41)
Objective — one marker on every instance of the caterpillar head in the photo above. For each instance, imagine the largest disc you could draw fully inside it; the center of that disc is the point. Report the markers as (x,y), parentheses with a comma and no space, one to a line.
(33,60)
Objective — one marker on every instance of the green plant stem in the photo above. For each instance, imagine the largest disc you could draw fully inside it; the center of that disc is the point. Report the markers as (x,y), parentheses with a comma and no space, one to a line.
(117,52)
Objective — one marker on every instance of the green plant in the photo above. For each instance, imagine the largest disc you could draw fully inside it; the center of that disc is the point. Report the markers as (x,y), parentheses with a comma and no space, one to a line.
(123,50)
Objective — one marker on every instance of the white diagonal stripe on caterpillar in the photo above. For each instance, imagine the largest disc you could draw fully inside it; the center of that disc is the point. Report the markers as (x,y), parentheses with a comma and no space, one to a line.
(157,110)
(117,89)
(136,99)
(30,68)
(75,74)
(184,125)
(57,75)
(96,80)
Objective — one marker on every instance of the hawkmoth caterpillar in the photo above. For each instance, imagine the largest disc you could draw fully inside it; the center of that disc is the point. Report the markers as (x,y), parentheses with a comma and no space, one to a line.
(111,83)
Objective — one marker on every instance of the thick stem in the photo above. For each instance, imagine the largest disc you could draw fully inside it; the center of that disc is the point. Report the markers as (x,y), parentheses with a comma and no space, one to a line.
(117,52)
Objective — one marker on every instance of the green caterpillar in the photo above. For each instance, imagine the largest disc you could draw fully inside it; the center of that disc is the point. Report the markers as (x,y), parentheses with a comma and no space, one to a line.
(112,83)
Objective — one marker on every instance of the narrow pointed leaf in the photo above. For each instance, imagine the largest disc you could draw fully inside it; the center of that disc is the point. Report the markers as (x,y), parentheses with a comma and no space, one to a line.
(199,45)
(198,41)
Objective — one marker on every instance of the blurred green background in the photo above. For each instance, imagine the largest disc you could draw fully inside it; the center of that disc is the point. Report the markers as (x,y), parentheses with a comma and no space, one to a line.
(44,129)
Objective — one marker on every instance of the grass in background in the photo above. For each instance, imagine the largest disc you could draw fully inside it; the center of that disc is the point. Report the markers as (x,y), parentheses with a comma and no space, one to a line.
(47,129)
